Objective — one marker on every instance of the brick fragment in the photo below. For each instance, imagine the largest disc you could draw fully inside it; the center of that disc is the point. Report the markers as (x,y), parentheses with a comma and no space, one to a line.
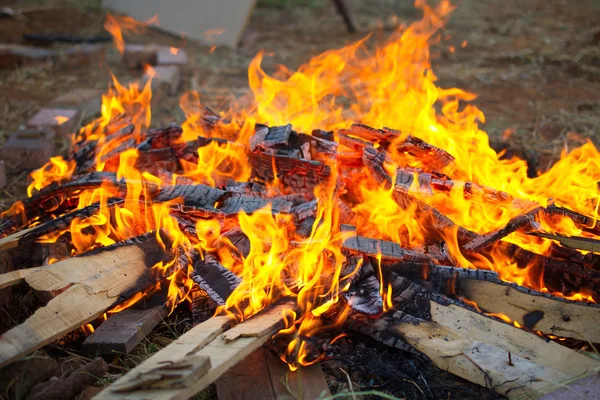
(62,121)
(14,55)
(82,55)
(166,80)
(2,174)
(28,148)
(167,56)
(87,101)
(137,55)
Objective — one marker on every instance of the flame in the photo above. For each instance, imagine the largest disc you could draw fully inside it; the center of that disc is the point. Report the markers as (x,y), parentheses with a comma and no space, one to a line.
(174,50)
(60,119)
(390,86)
(116,25)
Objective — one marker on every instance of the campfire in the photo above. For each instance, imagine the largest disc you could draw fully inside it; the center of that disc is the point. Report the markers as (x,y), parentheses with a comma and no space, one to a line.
(353,195)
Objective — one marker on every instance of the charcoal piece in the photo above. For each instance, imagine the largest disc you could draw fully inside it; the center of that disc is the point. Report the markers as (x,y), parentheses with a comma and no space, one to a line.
(525,221)
(325,135)
(215,279)
(304,210)
(373,160)
(354,143)
(250,204)
(432,156)
(195,196)
(351,268)
(247,188)
(273,137)
(371,134)
(305,227)
(302,176)
(238,239)
(363,294)
(347,216)
(388,251)
(203,307)
(319,147)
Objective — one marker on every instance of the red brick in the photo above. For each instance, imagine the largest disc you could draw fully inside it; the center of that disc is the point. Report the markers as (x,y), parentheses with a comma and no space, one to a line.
(87,101)
(166,80)
(138,55)
(82,55)
(2,174)
(14,55)
(165,56)
(29,148)
(49,118)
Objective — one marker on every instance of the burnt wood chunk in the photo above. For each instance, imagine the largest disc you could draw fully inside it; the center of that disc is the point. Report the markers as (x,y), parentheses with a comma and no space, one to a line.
(271,138)
(237,241)
(433,157)
(300,175)
(363,294)
(200,196)
(523,221)
(387,250)
(216,280)
(250,204)
(304,210)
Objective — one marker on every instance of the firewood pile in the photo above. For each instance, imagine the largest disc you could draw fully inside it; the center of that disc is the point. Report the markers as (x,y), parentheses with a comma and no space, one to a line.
(126,216)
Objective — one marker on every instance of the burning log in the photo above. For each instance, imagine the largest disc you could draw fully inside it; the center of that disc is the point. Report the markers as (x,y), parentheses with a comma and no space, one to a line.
(216,280)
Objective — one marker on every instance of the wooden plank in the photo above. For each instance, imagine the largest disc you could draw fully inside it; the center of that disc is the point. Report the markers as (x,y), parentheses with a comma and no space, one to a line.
(205,339)
(218,22)
(12,241)
(479,362)
(96,282)
(511,339)
(550,316)
(15,277)
(585,388)
(249,380)
(121,332)
(305,383)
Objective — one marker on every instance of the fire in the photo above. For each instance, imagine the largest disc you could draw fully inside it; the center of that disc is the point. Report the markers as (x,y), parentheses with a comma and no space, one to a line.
(116,25)
(60,119)
(390,86)
(174,50)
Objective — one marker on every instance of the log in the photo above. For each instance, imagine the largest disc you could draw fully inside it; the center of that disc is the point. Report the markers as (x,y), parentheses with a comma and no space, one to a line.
(572,242)
(96,281)
(121,332)
(203,342)
(216,280)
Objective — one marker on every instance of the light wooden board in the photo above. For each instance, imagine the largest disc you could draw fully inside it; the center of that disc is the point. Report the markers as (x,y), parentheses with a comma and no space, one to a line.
(205,340)
(509,338)
(559,318)
(479,362)
(198,20)
(94,284)
(16,277)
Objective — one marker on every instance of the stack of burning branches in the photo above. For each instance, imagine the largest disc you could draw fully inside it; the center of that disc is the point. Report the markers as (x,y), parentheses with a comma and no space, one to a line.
(356,227)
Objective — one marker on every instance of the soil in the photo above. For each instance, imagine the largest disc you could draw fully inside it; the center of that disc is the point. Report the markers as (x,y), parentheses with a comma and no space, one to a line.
(535,66)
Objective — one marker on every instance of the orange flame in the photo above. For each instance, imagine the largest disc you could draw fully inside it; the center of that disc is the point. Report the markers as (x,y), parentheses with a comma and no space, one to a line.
(116,25)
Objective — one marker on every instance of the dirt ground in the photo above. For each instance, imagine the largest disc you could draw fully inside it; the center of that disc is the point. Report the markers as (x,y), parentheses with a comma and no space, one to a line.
(535,66)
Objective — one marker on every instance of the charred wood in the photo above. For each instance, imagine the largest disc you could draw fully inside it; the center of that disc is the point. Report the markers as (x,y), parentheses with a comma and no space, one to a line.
(216,280)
